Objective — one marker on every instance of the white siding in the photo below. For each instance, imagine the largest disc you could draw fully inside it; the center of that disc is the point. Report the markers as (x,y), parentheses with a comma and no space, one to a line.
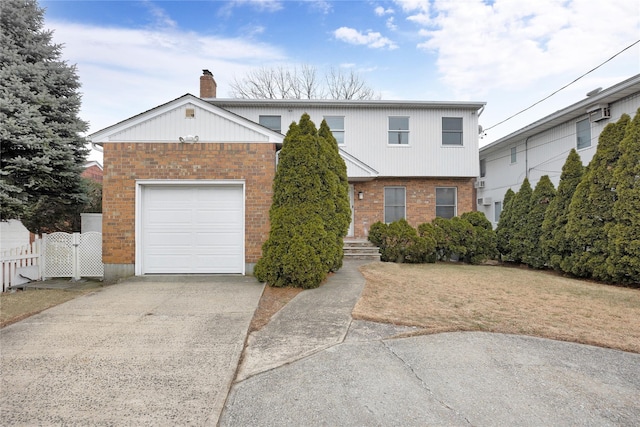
(172,124)
(366,136)
(542,154)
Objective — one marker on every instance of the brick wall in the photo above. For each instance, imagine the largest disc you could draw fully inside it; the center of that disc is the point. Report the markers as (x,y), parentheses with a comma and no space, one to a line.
(93,172)
(124,163)
(420,199)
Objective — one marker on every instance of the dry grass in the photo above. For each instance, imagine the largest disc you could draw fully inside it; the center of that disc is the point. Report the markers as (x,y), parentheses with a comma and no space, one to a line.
(271,301)
(22,304)
(455,297)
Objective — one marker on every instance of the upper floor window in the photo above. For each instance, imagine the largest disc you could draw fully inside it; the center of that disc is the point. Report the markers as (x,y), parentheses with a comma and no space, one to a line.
(452,131)
(583,134)
(483,168)
(446,202)
(514,155)
(399,130)
(394,204)
(271,122)
(336,124)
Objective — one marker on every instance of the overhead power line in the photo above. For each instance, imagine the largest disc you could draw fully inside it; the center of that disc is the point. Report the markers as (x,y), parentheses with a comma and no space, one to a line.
(563,87)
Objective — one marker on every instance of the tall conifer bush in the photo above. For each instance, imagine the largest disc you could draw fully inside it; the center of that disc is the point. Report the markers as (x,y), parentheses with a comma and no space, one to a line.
(542,196)
(554,242)
(623,262)
(42,152)
(520,211)
(504,229)
(303,245)
(591,208)
(336,184)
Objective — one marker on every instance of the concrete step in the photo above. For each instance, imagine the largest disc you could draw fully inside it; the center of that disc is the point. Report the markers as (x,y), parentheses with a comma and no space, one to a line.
(360,249)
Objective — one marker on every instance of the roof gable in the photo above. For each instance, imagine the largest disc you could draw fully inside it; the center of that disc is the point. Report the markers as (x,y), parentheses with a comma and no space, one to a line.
(183,117)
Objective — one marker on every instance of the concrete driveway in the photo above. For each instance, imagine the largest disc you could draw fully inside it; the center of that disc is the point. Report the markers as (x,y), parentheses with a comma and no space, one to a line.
(148,351)
(313,365)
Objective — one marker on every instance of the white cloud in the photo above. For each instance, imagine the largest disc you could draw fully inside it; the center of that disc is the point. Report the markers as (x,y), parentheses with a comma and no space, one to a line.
(381,11)
(513,44)
(417,11)
(126,71)
(370,38)
(322,5)
(260,5)
(161,18)
(391,24)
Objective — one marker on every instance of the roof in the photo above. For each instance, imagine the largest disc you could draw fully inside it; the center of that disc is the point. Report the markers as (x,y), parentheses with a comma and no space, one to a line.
(283,103)
(572,112)
(102,135)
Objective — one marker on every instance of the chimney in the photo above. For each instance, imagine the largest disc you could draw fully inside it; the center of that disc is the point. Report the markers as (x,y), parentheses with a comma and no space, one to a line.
(208,85)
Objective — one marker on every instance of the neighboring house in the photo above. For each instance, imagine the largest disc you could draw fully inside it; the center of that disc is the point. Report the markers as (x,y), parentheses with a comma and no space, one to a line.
(93,171)
(541,148)
(13,235)
(188,185)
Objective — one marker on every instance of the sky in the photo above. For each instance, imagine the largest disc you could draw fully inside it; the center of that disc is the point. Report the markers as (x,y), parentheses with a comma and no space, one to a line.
(132,56)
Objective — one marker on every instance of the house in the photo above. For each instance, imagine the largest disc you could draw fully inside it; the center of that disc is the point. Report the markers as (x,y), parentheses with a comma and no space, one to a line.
(187,185)
(93,170)
(541,148)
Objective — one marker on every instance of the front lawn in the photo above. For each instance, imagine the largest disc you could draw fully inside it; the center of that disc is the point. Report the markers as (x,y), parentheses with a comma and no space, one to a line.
(457,297)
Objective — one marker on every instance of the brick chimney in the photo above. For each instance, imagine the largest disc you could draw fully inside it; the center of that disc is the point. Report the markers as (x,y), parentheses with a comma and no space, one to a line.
(208,85)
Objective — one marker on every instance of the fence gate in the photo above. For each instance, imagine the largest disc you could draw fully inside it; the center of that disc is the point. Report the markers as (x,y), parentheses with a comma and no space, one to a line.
(72,255)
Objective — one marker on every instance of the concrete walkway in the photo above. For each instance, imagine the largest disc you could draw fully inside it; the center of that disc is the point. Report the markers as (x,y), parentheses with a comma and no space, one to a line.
(313,365)
(153,351)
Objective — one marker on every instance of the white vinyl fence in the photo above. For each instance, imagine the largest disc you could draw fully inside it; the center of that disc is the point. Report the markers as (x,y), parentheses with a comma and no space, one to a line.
(21,265)
(55,255)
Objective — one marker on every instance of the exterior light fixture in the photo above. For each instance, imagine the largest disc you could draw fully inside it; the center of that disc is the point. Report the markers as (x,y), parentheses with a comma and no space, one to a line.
(189,138)
(360,195)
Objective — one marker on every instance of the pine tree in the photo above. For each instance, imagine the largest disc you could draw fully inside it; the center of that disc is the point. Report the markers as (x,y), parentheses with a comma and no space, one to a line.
(623,262)
(336,186)
(554,243)
(591,208)
(42,151)
(303,245)
(505,226)
(520,211)
(542,196)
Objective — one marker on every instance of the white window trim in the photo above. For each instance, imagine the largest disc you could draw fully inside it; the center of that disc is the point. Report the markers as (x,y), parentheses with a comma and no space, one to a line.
(408,131)
(344,133)
(590,137)
(455,205)
(511,162)
(384,202)
(442,132)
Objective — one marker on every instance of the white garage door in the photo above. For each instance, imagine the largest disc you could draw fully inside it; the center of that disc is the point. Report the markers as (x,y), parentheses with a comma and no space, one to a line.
(192,229)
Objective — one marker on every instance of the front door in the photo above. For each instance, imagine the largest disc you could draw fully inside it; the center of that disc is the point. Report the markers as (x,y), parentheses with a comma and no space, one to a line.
(351,232)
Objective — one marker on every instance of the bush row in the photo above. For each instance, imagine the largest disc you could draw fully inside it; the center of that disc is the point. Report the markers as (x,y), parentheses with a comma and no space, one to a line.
(590,226)
(469,238)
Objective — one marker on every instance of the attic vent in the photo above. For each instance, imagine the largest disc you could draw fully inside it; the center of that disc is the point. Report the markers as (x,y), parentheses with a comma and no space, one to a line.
(601,113)
(190,113)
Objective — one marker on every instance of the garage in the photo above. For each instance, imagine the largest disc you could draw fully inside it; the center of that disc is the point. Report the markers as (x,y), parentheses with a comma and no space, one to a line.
(191,228)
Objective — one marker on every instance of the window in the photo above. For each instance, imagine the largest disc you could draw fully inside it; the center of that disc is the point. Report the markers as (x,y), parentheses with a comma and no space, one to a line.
(271,122)
(399,130)
(583,134)
(452,131)
(190,113)
(336,124)
(497,211)
(483,168)
(446,202)
(514,155)
(394,204)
